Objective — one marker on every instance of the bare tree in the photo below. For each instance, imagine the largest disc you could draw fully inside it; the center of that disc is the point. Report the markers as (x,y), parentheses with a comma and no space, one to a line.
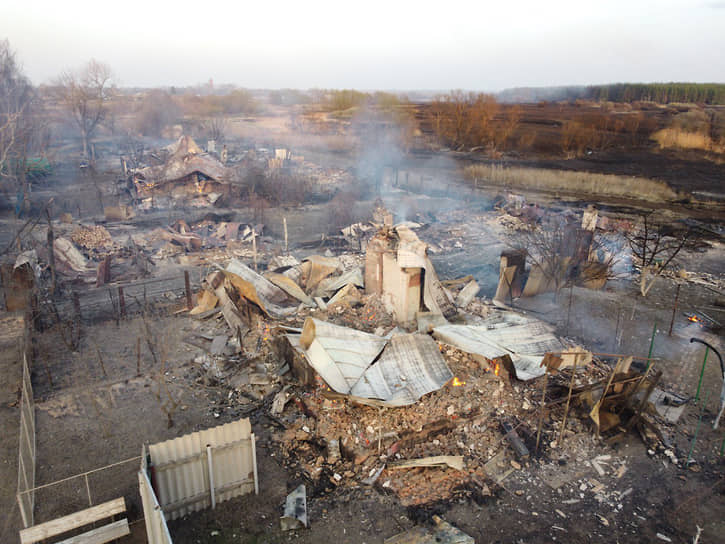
(511,120)
(655,244)
(566,254)
(216,128)
(17,99)
(85,93)
(156,112)
(463,120)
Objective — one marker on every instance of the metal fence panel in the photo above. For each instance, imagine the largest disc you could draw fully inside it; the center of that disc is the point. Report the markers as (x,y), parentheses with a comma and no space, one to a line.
(181,470)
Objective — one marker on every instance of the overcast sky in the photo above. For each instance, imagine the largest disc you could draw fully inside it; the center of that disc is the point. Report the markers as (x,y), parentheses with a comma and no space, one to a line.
(372,44)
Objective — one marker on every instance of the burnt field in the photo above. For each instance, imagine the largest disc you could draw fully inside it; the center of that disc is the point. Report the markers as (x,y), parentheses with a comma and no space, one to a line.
(608,138)
(701,177)
(522,359)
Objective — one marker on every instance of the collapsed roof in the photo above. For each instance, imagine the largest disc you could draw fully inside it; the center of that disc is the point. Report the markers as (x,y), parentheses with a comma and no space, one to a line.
(185,158)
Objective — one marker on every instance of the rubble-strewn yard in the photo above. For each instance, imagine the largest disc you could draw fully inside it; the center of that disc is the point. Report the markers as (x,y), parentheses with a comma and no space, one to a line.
(397,368)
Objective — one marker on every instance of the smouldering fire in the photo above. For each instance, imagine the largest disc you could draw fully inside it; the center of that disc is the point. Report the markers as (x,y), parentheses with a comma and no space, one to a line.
(456,382)
(695,319)
(497,369)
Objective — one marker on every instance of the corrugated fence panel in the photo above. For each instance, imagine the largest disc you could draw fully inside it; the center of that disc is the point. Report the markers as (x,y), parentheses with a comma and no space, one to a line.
(231,458)
(181,467)
(181,478)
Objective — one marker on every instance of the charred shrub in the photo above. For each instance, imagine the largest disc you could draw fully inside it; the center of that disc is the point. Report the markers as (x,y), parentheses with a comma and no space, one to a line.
(342,208)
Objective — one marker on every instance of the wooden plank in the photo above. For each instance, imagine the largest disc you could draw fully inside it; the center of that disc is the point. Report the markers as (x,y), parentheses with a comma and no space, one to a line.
(72,521)
(104,534)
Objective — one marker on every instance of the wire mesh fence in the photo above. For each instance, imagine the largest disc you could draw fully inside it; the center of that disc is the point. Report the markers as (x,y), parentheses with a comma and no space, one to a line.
(26,449)
(87,489)
(114,302)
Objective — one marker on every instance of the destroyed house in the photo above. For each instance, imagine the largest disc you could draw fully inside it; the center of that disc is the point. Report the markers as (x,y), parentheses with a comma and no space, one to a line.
(187,172)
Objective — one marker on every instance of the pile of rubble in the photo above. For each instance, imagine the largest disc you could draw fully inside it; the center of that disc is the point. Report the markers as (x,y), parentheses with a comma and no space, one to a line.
(92,237)
(381,375)
(348,441)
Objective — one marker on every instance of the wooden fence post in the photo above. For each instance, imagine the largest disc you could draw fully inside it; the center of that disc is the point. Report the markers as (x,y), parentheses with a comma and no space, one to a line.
(187,285)
(121,302)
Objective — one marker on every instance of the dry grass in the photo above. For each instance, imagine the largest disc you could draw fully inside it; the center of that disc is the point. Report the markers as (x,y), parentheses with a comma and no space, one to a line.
(680,139)
(571,182)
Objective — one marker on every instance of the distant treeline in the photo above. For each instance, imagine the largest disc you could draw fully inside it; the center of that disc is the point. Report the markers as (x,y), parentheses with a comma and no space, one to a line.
(663,93)
(707,93)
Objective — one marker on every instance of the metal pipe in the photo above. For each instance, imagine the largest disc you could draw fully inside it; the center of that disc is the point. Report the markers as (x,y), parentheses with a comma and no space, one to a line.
(286,246)
(541,411)
(187,287)
(254,464)
(702,374)
(697,429)
(211,476)
(651,344)
(674,309)
(722,366)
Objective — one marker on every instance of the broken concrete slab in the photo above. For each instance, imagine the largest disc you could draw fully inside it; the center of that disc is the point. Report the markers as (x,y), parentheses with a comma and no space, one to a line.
(467,294)
(667,406)
(442,533)
(427,321)
(452,461)
(295,510)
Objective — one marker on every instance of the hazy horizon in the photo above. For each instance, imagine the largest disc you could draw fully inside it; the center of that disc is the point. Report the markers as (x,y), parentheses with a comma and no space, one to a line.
(401,46)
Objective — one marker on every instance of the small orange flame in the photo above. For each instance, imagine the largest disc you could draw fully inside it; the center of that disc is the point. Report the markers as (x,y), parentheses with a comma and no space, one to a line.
(456,382)
(695,319)
(497,369)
